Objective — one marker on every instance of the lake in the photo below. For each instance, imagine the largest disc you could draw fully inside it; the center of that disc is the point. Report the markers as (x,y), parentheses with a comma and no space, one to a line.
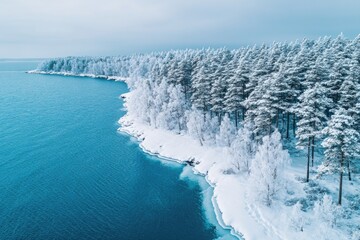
(66,173)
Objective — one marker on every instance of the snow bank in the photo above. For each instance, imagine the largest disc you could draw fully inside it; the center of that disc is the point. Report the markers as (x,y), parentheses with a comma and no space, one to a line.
(114,78)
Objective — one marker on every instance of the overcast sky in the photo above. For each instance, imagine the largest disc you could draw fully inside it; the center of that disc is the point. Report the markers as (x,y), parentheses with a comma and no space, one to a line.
(49,28)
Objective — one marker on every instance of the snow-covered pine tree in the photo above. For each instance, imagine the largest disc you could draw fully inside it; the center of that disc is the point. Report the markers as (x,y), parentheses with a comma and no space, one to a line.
(262,108)
(284,97)
(348,90)
(289,95)
(311,110)
(339,44)
(318,73)
(185,77)
(235,93)
(337,76)
(341,144)
(296,69)
(201,87)
(349,98)
(257,74)
(218,91)
(355,112)
(174,72)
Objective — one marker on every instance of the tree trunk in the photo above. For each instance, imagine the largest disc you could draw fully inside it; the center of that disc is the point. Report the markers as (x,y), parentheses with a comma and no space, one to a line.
(312,151)
(270,127)
(294,122)
(348,168)
(282,122)
(179,125)
(243,98)
(287,125)
(308,163)
(236,119)
(341,177)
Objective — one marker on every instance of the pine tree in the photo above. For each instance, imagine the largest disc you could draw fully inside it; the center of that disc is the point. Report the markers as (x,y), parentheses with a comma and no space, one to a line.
(355,112)
(341,144)
(316,74)
(262,108)
(174,72)
(218,92)
(348,90)
(284,94)
(185,77)
(201,88)
(235,93)
(257,75)
(311,110)
(337,76)
(298,65)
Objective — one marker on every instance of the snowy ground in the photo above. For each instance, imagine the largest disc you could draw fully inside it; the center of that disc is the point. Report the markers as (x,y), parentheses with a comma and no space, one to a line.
(236,209)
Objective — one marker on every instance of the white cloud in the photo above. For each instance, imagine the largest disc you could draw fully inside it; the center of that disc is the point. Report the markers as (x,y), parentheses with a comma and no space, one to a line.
(38,28)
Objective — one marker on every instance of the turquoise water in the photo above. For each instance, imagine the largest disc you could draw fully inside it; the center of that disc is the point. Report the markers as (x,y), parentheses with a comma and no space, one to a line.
(66,173)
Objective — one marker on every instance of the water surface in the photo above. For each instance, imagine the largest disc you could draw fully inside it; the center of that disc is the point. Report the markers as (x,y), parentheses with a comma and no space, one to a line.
(65,172)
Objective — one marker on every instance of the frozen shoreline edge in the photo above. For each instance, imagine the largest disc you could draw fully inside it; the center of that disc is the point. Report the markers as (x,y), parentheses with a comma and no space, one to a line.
(216,209)
(215,206)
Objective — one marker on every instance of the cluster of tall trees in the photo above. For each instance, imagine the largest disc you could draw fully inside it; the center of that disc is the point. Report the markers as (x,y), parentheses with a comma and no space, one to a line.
(307,90)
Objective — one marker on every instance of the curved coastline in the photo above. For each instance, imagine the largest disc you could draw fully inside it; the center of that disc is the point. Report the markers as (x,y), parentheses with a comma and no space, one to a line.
(215,208)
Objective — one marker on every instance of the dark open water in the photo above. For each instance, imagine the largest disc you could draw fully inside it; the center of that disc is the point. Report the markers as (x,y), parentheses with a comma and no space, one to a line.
(65,172)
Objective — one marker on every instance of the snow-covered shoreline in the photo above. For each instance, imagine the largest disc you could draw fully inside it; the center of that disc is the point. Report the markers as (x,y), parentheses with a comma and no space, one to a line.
(215,207)
(113,78)
(142,132)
